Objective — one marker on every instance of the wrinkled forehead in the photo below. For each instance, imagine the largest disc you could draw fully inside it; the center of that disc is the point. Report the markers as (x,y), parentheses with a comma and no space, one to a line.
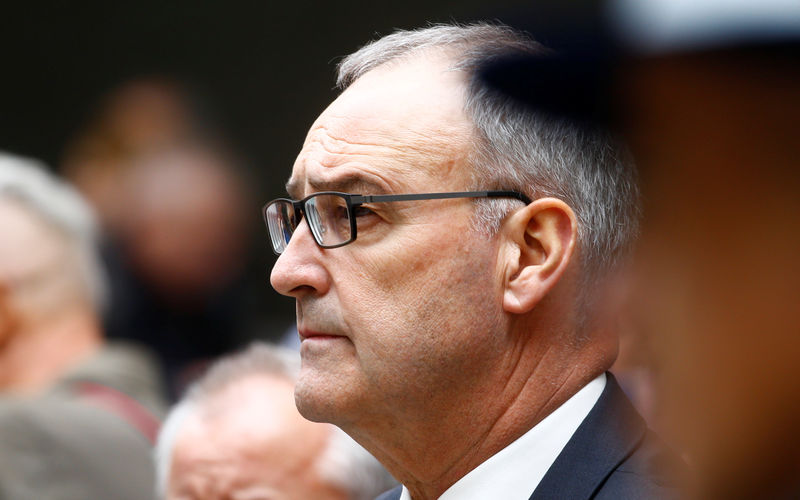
(399,126)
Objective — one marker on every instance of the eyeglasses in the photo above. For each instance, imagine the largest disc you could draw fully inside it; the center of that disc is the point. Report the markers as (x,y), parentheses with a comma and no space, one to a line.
(329,214)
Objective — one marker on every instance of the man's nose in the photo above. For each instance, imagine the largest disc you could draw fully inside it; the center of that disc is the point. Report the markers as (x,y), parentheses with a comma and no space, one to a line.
(299,269)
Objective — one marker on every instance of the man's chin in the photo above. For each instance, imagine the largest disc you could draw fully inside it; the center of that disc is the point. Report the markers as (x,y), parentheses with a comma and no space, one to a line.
(315,401)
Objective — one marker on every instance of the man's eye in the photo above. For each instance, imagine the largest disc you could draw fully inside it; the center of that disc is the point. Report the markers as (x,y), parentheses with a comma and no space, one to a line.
(362,211)
(340,212)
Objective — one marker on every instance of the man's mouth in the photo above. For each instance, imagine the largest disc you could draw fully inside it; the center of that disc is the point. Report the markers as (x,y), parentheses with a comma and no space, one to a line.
(306,334)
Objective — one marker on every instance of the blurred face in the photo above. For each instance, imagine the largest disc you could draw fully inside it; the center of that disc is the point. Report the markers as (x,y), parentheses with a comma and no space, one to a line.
(405,318)
(266,452)
(185,230)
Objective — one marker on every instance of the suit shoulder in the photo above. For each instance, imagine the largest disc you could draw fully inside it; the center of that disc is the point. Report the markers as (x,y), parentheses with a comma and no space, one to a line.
(652,471)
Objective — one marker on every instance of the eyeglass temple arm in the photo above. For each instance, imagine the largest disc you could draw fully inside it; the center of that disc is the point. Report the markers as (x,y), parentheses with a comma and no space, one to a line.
(358,199)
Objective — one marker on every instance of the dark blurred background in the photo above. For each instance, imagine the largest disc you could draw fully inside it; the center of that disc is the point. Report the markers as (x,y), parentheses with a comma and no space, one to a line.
(254,74)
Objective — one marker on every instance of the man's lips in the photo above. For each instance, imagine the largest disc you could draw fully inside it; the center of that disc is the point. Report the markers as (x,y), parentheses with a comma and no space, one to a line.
(312,334)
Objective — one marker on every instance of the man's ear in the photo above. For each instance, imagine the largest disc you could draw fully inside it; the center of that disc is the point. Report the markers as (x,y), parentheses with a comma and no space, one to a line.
(540,242)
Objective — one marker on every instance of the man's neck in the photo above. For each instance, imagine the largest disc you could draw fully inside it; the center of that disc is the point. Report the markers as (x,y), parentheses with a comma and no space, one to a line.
(434,452)
(39,355)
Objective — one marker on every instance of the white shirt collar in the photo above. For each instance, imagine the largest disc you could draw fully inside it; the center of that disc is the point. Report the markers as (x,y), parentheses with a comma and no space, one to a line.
(516,470)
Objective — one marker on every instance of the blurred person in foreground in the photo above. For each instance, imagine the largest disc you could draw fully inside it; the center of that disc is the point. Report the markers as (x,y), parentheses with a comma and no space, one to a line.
(237,434)
(460,335)
(77,415)
(708,93)
(716,129)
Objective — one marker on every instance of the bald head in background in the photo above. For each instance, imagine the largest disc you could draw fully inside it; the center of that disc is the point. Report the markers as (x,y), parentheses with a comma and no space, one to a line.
(239,435)
(250,442)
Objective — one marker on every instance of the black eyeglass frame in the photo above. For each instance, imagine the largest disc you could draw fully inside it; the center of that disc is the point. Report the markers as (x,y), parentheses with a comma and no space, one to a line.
(353,201)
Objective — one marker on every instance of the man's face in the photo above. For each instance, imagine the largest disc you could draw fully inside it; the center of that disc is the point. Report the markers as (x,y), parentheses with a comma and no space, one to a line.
(266,452)
(406,317)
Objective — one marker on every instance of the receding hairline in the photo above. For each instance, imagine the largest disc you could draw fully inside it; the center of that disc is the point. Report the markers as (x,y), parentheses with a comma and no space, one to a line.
(466,45)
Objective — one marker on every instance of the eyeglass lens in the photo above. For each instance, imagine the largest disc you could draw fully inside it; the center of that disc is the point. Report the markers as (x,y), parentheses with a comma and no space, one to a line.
(326,214)
(280,221)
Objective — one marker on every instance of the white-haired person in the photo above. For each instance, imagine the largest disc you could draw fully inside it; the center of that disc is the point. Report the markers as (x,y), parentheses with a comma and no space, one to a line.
(237,434)
(78,415)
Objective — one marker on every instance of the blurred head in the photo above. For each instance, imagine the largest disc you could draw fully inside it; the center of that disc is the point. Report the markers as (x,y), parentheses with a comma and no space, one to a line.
(48,258)
(237,434)
(427,308)
(184,230)
(50,238)
(49,268)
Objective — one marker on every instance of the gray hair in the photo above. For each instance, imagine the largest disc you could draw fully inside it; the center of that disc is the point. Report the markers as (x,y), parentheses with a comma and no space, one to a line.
(344,463)
(521,149)
(58,204)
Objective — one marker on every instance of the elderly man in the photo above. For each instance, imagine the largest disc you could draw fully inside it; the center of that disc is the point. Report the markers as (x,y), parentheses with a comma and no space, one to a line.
(77,415)
(237,434)
(459,336)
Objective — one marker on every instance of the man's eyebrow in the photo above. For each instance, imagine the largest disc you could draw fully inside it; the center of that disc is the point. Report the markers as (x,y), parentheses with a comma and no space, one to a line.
(354,184)
(292,188)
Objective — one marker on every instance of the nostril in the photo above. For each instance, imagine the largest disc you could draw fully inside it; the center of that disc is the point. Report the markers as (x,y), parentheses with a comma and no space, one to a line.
(299,271)
(301,290)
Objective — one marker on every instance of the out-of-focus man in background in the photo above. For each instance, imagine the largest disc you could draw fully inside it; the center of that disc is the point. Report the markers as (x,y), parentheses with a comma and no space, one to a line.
(176,267)
(462,340)
(172,200)
(77,415)
(238,434)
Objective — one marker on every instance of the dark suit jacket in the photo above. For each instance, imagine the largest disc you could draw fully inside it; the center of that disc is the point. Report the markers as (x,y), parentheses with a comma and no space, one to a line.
(612,456)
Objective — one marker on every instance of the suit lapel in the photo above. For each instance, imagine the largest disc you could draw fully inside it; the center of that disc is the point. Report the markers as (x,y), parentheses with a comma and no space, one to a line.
(607,436)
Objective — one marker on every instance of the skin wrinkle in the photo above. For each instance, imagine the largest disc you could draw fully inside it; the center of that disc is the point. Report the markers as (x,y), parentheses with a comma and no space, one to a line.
(516,393)
(470,455)
(553,401)
(390,170)
(327,140)
(324,137)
